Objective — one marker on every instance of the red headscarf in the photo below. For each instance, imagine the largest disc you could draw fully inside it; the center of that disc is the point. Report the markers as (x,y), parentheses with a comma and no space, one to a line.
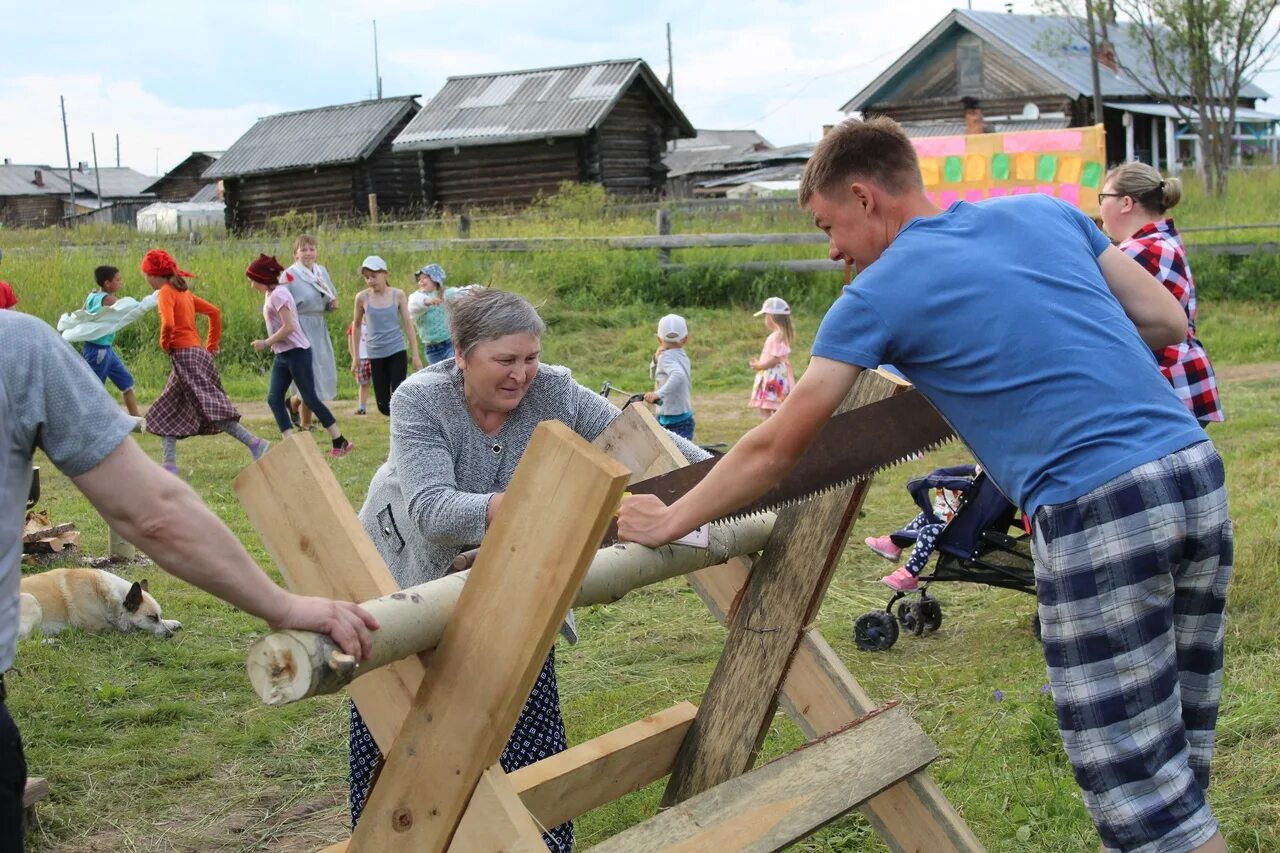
(160,262)
(266,270)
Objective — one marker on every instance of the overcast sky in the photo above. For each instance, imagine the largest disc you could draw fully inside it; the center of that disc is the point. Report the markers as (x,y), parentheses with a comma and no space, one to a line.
(173,77)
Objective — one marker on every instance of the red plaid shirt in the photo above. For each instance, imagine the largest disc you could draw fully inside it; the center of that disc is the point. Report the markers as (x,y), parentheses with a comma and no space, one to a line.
(1159,249)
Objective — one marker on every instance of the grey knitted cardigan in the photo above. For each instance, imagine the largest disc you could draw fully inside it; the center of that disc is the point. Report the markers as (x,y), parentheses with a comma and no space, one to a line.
(427,502)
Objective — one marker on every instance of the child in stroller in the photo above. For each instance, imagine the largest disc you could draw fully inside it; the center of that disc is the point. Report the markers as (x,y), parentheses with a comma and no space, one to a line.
(964,518)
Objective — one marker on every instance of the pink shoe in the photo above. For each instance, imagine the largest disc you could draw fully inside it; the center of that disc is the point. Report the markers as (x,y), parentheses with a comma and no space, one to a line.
(884,546)
(338,452)
(901,580)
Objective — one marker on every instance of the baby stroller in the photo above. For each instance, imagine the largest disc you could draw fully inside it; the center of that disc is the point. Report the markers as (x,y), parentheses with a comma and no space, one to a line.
(974,547)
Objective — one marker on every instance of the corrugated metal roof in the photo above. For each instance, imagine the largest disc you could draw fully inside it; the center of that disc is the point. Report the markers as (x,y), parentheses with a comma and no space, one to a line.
(326,136)
(20,180)
(489,109)
(710,150)
(1049,44)
(117,182)
(956,127)
(1243,114)
(207,193)
(784,172)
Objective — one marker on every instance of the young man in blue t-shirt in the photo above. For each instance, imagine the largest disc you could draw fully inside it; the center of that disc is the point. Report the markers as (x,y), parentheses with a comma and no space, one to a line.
(1032,335)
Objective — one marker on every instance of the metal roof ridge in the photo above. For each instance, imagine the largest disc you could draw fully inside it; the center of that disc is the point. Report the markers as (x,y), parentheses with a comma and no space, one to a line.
(329,107)
(541,70)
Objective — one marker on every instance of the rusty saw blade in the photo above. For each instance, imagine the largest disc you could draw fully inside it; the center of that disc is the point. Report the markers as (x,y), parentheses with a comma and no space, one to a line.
(852,446)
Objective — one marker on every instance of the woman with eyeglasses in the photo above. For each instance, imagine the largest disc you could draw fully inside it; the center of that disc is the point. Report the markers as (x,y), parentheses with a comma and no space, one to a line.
(1134,204)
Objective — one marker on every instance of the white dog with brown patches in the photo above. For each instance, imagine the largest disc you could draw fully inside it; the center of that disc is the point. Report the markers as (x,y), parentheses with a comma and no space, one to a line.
(91,600)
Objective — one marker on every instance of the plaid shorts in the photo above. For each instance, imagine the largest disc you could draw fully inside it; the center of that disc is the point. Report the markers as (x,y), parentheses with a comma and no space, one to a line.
(1132,585)
(363,371)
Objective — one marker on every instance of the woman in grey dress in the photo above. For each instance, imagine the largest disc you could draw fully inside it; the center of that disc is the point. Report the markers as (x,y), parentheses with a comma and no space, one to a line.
(458,429)
(313,292)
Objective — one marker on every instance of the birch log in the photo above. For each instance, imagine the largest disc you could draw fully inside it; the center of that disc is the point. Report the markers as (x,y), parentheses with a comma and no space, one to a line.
(286,666)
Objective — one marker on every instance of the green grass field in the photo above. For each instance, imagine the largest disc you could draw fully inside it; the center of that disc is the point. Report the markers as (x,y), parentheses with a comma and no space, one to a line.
(161,745)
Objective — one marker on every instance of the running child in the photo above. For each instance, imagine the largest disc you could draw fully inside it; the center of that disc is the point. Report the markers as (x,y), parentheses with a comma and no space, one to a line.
(100,352)
(192,402)
(292,363)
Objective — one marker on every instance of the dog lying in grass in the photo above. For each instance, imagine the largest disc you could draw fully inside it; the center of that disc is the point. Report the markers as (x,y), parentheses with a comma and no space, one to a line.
(91,600)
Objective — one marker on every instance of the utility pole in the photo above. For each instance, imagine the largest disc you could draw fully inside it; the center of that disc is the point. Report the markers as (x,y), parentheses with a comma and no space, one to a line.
(117,151)
(1093,64)
(671,69)
(66,141)
(377,74)
(96,177)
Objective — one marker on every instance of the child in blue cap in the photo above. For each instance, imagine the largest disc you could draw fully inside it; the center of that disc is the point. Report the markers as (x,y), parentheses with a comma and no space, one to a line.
(426,308)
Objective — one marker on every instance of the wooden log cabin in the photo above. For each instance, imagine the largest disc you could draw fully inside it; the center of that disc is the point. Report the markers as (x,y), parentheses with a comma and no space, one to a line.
(503,139)
(184,181)
(976,72)
(32,196)
(324,161)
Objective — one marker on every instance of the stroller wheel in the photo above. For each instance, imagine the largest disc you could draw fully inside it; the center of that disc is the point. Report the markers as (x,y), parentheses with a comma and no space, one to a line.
(875,631)
(930,614)
(911,617)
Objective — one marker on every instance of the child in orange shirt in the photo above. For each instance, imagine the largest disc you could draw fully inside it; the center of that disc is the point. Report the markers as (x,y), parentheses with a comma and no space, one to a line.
(192,402)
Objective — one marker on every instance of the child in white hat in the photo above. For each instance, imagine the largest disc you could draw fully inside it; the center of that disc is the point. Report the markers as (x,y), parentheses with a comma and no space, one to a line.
(774,376)
(673,378)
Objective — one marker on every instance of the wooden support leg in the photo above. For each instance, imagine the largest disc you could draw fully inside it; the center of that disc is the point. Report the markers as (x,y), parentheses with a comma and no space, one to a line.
(821,695)
(556,509)
(783,594)
(317,541)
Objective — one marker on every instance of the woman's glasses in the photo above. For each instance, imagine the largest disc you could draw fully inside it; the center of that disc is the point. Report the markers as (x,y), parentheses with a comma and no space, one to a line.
(1101,196)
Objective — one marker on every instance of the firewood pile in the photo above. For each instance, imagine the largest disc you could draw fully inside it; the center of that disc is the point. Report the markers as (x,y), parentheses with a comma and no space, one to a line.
(41,537)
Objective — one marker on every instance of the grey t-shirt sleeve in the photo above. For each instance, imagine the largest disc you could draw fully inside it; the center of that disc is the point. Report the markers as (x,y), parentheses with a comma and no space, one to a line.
(425,462)
(56,401)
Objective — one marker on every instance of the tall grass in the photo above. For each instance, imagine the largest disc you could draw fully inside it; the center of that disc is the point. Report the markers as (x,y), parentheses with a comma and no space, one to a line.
(618,293)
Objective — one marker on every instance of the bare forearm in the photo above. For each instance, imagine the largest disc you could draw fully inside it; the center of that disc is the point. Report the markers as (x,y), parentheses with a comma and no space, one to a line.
(165,518)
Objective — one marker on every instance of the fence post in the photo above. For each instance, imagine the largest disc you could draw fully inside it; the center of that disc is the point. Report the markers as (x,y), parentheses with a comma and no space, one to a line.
(373,208)
(664,229)
(464,225)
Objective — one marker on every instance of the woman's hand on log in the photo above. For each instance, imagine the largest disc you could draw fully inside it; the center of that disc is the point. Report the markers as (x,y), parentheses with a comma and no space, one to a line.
(644,519)
(347,623)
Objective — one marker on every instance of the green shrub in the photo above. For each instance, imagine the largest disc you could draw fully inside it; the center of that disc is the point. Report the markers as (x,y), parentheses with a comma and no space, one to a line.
(1252,277)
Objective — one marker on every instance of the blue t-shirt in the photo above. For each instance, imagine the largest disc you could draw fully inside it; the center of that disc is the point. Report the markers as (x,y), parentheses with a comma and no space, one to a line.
(999,314)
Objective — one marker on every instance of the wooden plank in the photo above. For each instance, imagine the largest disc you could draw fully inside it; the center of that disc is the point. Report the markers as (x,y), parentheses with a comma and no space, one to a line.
(537,550)
(38,788)
(495,820)
(821,695)
(782,596)
(599,771)
(315,538)
(790,798)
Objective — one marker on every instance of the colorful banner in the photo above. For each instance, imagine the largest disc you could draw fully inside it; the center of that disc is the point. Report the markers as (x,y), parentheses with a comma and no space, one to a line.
(1067,164)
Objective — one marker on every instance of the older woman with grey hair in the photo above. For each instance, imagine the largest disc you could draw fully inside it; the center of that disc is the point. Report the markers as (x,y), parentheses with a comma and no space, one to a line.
(458,429)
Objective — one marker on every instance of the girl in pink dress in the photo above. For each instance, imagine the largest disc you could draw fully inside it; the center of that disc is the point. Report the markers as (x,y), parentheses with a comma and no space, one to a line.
(774,376)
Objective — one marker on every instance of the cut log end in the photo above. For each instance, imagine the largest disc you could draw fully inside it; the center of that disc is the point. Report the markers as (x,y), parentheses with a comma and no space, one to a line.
(282,666)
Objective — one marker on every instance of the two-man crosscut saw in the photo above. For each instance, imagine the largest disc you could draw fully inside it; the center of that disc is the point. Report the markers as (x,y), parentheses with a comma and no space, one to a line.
(852,446)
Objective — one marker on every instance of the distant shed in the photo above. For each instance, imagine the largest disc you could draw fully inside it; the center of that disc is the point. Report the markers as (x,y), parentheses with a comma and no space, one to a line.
(496,139)
(324,161)
(32,196)
(184,181)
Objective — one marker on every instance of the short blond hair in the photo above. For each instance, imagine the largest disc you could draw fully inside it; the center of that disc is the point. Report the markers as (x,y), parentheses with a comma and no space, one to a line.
(873,150)
(304,240)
